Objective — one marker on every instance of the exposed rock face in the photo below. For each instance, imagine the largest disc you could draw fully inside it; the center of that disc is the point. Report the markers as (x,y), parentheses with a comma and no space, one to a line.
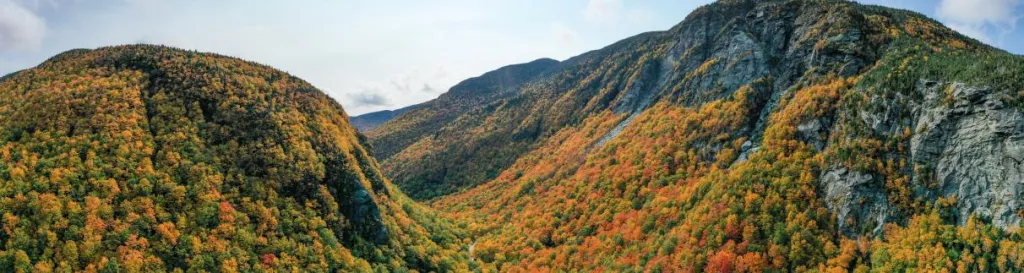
(858,200)
(813,132)
(967,146)
(745,150)
(972,145)
(366,214)
(966,140)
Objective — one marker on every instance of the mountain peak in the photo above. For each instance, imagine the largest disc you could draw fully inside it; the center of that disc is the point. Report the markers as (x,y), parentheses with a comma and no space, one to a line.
(144,154)
(753,136)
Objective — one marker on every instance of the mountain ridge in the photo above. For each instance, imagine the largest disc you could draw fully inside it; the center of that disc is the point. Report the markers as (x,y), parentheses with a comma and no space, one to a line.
(753,136)
(151,158)
(370,121)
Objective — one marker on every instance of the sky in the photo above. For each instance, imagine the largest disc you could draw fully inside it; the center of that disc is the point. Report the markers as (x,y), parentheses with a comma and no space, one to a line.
(373,55)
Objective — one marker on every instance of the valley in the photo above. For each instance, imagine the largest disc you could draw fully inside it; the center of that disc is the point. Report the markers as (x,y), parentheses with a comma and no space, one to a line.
(753,136)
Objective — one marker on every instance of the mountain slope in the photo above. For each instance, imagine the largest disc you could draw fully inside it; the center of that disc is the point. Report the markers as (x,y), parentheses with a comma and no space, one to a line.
(784,135)
(429,119)
(692,63)
(370,121)
(148,158)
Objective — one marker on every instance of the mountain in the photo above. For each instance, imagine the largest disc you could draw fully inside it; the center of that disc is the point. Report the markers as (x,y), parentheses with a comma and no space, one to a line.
(430,118)
(783,135)
(149,158)
(754,136)
(427,118)
(369,121)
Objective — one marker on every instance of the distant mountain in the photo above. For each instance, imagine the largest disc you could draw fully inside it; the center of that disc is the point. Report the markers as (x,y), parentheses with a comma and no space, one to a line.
(150,159)
(428,118)
(785,135)
(754,136)
(370,121)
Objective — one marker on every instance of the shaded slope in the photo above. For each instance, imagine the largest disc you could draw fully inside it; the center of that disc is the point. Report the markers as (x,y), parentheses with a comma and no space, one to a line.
(147,158)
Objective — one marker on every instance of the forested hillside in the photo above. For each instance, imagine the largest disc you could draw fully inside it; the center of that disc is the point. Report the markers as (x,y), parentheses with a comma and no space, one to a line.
(788,135)
(149,159)
(370,121)
(432,118)
(754,136)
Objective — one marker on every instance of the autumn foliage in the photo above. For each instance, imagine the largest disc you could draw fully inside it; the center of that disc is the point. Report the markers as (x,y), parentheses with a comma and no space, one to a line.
(148,159)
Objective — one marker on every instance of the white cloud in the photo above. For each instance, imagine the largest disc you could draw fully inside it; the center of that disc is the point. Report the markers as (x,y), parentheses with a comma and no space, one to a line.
(976,17)
(563,33)
(368,98)
(973,31)
(603,11)
(20,28)
(428,89)
(999,12)
(35,4)
(351,46)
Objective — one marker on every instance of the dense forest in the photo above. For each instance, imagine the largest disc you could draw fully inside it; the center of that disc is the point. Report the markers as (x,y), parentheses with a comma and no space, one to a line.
(754,136)
(429,119)
(149,159)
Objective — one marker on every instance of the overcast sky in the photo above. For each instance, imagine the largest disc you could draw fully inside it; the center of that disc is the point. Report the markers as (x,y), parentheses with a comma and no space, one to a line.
(378,54)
